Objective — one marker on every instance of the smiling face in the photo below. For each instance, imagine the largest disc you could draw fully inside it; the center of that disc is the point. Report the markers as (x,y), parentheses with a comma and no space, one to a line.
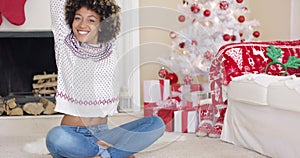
(86,25)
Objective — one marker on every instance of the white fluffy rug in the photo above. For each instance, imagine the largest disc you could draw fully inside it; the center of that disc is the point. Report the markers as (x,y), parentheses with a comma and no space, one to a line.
(26,139)
(171,145)
(37,147)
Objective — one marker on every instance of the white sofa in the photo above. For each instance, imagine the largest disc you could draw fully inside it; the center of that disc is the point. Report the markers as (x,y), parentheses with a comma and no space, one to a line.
(263,114)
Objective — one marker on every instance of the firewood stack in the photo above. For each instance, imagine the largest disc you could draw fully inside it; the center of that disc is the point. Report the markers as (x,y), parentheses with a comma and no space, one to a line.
(45,85)
(12,108)
(2,105)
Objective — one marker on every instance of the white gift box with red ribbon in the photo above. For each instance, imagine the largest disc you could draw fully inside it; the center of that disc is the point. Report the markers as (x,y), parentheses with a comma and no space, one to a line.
(155,91)
(186,93)
(186,120)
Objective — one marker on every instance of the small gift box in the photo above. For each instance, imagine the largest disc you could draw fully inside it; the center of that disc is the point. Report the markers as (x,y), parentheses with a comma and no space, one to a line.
(155,91)
(185,93)
(186,120)
(167,114)
(195,90)
(176,92)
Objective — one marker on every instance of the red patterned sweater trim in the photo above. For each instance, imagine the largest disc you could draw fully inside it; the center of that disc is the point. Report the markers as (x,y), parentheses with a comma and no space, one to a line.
(85,102)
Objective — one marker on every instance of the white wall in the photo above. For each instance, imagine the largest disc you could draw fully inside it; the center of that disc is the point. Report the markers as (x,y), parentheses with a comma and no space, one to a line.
(274,18)
(157,19)
(129,49)
(295,19)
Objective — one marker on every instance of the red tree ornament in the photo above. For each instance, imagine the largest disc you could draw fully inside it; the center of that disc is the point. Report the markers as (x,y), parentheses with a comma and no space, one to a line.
(226,37)
(245,8)
(195,8)
(181,44)
(208,55)
(206,13)
(172,77)
(172,35)
(223,5)
(181,18)
(256,34)
(239,1)
(188,79)
(241,19)
(194,42)
(233,38)
(163,73)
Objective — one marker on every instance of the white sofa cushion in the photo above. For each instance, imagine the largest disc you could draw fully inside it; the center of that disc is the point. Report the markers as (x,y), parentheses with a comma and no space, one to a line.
(285,94)
(252,88)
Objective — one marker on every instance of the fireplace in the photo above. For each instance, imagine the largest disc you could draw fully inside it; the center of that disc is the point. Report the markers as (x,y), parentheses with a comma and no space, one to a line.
(23,55)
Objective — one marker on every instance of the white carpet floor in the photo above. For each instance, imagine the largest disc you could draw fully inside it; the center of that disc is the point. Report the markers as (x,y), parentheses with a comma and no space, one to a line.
(17,143)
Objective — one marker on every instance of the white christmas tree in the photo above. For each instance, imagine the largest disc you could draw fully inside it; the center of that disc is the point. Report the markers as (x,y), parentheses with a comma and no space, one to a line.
(206,25)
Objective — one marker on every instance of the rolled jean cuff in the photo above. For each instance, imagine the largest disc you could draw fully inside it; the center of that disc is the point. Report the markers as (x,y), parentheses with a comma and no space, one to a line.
(103,152)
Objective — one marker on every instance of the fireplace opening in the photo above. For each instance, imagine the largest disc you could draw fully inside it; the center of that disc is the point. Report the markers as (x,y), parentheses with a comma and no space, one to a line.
(23,55)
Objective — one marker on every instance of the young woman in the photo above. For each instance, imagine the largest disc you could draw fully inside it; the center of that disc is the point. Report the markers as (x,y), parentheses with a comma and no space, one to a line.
(87,91)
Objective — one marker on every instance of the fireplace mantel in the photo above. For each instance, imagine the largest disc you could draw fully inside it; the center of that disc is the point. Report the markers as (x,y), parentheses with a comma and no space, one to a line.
(31,34)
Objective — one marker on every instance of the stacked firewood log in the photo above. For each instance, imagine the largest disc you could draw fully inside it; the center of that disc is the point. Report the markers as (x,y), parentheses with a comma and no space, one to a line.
(45,85)
(2,106)
(12,108)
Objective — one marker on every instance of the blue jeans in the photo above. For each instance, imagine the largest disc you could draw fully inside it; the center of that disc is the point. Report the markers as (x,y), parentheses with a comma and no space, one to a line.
(127,139)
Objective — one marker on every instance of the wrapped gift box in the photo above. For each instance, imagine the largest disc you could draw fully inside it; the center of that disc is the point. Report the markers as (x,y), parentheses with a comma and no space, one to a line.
(195,90)
(155,91)
(186,121)
(167,114)
(185,93)
(176,92)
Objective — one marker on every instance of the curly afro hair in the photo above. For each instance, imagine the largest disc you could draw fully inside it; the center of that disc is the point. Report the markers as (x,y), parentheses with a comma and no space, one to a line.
(108,11)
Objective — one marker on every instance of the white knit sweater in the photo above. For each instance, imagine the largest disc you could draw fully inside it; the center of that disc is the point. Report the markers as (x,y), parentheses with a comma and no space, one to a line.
(87,76)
